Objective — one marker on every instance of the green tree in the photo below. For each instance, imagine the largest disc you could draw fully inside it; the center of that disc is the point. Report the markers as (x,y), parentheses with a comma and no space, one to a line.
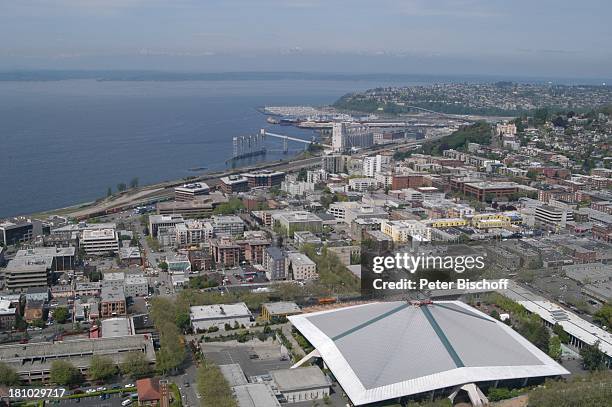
(560,332)
(163,265)
(135,365)
(604,316)
(554,348)
(213,387)
(8,375)
(183,321)
(592,357)
(60,314)
(134,183)
(121,187)
(64,373)
(102,367)
(109,192)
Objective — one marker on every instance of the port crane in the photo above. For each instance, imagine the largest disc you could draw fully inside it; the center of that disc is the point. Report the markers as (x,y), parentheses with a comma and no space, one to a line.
(252,145)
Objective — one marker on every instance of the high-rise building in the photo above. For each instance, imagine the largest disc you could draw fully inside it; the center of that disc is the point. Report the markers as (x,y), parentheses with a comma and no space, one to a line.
(375,163)
(332,164)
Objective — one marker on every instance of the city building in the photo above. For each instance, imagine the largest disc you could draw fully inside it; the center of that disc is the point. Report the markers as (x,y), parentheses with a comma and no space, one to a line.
(112,301)
(189,192)
(553,216)
(362,184)
(225,251)
(207,316)
(99,241)
(374,164)
(301,384)
(279,310)
(306,237)
(197,208)
(264,178)
(157,221)
(193,232)
(295,221)
(8,315)
(274,263)
(62,258)
(346,136)
(230,225)
(234,184)
(22,273)
(136,285)
(300,267)
(486,191)
(153,392)
(358,344)
(130,256)
(331,164)
(17,231)
(405,230)
(33,361)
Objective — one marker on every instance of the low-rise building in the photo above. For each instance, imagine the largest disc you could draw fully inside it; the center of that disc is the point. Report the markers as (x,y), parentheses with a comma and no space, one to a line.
(406,230)
(300,267)
(189,192)
(136,285)
(8,315)
(100,241)
(295,221)
(230,225)
(33,361)
(302,383)
(278,310)
(112,302)
(22,273)
(234,184)
(206,316)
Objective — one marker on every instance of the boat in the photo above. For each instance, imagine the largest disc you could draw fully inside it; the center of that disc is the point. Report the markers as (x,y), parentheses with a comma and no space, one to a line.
(272,120)
(198,168)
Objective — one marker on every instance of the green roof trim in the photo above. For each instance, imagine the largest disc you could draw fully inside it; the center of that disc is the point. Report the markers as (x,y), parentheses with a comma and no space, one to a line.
(447,345)
(370,322)
(464,312)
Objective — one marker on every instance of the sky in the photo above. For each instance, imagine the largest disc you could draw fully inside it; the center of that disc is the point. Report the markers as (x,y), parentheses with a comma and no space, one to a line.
(532,38)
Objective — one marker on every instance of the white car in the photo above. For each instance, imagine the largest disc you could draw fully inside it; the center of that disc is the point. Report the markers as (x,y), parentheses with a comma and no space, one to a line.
(129,385)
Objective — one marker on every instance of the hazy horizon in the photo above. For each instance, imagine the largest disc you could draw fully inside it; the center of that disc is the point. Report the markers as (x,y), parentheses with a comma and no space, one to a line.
(468,37)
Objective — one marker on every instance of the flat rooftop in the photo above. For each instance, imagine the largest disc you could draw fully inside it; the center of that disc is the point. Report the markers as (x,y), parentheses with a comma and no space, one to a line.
(255,395)
(299,379)
(218,311)
(282,307)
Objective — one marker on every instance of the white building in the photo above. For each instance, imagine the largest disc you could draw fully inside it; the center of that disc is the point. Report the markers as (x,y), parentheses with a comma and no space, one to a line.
(556,217)
(206,316)
(193,232)
(362,184)
(374,164)
(136,285)
(157,221)
(405,230)
(189,192)
(100,241)
(227,225)
(301,267)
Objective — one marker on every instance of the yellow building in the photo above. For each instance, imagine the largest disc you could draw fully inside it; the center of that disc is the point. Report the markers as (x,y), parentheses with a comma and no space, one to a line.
(446,222)
(489,221)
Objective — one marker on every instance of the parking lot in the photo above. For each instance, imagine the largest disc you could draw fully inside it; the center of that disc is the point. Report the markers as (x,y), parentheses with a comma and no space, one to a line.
(255,357)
